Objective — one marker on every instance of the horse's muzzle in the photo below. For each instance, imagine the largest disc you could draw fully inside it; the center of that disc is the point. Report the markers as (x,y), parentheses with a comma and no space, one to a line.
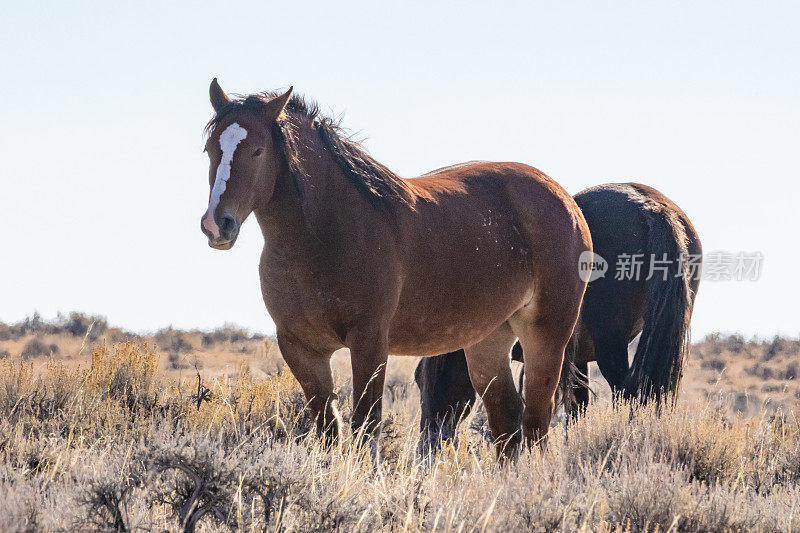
(222,231)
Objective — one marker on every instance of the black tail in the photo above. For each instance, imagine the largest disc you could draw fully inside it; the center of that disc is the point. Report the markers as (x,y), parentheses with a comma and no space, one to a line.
(571,377)
(658,364)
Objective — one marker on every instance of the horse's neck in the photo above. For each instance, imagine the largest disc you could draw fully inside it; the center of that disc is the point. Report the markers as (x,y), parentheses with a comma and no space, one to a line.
(304,209)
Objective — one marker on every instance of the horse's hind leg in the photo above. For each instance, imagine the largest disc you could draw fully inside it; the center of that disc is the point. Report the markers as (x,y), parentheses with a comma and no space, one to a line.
(543,331)
(490,373)
(611,352)
(313,370)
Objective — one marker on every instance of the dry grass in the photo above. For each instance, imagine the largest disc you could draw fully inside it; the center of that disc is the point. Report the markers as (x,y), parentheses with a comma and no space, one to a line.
(70,340)
(113,442)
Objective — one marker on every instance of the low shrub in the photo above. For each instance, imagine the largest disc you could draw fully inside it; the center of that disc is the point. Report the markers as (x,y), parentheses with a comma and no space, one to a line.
(36,347)
(173,340)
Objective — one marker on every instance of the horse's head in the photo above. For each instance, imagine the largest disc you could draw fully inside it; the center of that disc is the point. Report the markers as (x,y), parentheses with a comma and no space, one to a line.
(244,162)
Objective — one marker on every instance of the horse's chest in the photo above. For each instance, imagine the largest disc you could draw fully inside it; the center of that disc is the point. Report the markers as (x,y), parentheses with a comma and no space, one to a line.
(310,301)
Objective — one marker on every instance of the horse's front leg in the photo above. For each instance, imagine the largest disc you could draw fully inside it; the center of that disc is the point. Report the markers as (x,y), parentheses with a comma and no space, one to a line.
(369,351)
(312,369)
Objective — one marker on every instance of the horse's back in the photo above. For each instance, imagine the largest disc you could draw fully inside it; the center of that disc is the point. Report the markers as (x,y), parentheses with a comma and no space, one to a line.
(601,199)
(519,191)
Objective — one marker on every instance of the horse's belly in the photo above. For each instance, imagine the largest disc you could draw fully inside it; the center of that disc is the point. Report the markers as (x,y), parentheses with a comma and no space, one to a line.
(437,321)
(422,340)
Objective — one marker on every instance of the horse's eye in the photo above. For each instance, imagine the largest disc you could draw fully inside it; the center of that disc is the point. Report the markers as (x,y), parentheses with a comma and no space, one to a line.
(257,153)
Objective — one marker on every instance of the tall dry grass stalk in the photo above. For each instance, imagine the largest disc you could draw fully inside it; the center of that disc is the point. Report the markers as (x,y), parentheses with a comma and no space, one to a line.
(116,446)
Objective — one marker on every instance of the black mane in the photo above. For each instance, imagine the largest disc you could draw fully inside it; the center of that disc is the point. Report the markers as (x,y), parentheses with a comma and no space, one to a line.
(383,187)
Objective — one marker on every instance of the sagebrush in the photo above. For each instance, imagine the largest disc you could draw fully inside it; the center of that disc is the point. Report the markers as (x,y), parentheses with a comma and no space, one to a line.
(115,445)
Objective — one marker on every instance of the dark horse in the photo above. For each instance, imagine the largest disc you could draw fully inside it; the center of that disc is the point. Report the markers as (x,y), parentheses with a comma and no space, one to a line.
(476,255)
(630,224)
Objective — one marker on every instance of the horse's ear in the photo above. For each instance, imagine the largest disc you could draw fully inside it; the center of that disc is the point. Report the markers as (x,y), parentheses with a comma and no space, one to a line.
(276,106)
(218,97)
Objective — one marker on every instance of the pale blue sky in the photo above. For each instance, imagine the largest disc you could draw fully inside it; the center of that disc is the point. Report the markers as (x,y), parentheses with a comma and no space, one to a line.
(104,180)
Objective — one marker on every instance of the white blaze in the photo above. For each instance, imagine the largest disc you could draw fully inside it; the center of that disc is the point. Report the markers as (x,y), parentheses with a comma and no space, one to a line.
(228,141)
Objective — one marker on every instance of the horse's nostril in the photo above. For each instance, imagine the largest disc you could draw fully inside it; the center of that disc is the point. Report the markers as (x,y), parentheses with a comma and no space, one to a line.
(227,224)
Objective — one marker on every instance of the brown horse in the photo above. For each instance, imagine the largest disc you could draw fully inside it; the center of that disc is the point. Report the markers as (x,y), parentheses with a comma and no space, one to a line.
(625,219)
(475,255)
